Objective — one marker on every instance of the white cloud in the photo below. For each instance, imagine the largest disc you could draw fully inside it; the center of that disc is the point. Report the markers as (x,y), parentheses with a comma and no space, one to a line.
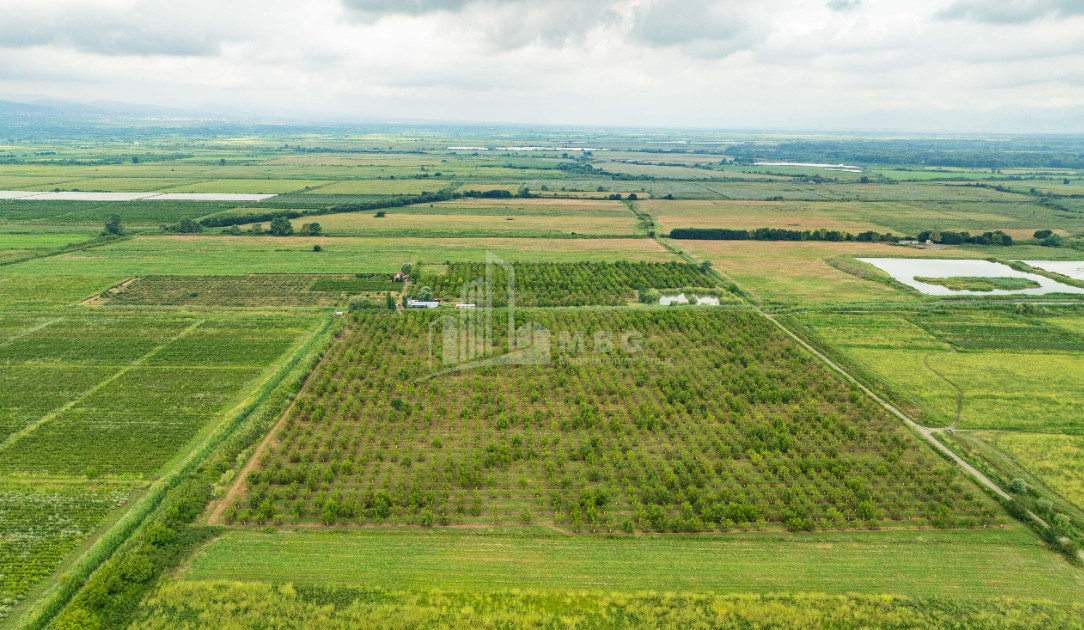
(727,63)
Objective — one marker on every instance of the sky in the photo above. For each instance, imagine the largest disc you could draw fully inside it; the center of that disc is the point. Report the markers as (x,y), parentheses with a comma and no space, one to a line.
(914,64)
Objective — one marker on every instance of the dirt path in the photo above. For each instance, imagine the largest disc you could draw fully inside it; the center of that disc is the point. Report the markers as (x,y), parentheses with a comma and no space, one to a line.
(216,508)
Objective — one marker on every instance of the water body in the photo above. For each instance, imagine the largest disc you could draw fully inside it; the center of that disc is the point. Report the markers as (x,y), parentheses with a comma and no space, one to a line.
(1072,268)
(127,196)
(707,300)
(526,149)
(905,270)
(832,167)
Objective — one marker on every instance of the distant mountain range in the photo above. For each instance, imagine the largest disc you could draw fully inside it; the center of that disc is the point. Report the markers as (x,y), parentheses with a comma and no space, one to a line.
(52,118)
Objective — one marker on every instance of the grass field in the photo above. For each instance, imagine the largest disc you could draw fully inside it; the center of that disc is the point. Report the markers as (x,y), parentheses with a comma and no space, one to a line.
(755,214)
(958,565)
(799,272)
(236,604)
(460,225)
(226,255)
(1057,460)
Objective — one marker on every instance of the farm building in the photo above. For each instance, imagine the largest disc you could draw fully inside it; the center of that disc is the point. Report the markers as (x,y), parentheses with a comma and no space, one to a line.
(422,304)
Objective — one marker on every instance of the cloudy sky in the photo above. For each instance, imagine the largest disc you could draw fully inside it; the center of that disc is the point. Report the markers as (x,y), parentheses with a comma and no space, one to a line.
(721,63)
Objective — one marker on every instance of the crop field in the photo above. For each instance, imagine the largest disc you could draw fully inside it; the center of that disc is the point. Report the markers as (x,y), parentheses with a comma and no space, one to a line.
(273,186)
(37,291)
(565,284)
(234,255)
(442,225)
(385,186)
(15,247)
(247,291)
(962,565)
(192,435)
(122,394)
(41,524)
(658,440)
(91,213)
(756,214)
(1057,460)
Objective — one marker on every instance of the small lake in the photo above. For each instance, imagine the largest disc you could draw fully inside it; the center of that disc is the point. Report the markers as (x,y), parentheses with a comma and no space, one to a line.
(1072,268)
(905,270)
(73,195)
(680,298)
(832,167)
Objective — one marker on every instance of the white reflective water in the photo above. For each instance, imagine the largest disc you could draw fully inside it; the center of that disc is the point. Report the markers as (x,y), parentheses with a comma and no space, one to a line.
(905,270)
(72,195)
(832,167)
(1072,268)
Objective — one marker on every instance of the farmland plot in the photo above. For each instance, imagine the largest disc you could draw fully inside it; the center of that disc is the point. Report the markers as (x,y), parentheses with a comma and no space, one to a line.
(40,525)
(123,394)
(253,290)
(720,422)
(565,284)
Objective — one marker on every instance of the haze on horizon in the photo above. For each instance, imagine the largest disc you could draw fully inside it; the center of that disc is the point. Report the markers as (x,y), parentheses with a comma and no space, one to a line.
(923,65)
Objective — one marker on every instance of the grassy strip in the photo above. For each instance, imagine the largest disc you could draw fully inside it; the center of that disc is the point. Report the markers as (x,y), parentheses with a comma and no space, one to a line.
(866,271)
(1026,268)
(238,604)
(101,241)
(964,565)
(962,283)
(118,568)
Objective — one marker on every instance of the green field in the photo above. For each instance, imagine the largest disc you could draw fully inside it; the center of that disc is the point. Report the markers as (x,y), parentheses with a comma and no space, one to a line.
(191,436)
(565,284)
(959,565)
(253,290)
(41,524)
(596,440)
(122,394)
(226,255)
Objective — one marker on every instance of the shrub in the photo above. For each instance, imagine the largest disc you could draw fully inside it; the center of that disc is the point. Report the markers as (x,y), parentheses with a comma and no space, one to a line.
(649,296)
(1018,486)
(361,303)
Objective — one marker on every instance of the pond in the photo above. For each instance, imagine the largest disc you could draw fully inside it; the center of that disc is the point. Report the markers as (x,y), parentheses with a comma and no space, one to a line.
(1072,268)
(905,270)
(680,298)
(74,195)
